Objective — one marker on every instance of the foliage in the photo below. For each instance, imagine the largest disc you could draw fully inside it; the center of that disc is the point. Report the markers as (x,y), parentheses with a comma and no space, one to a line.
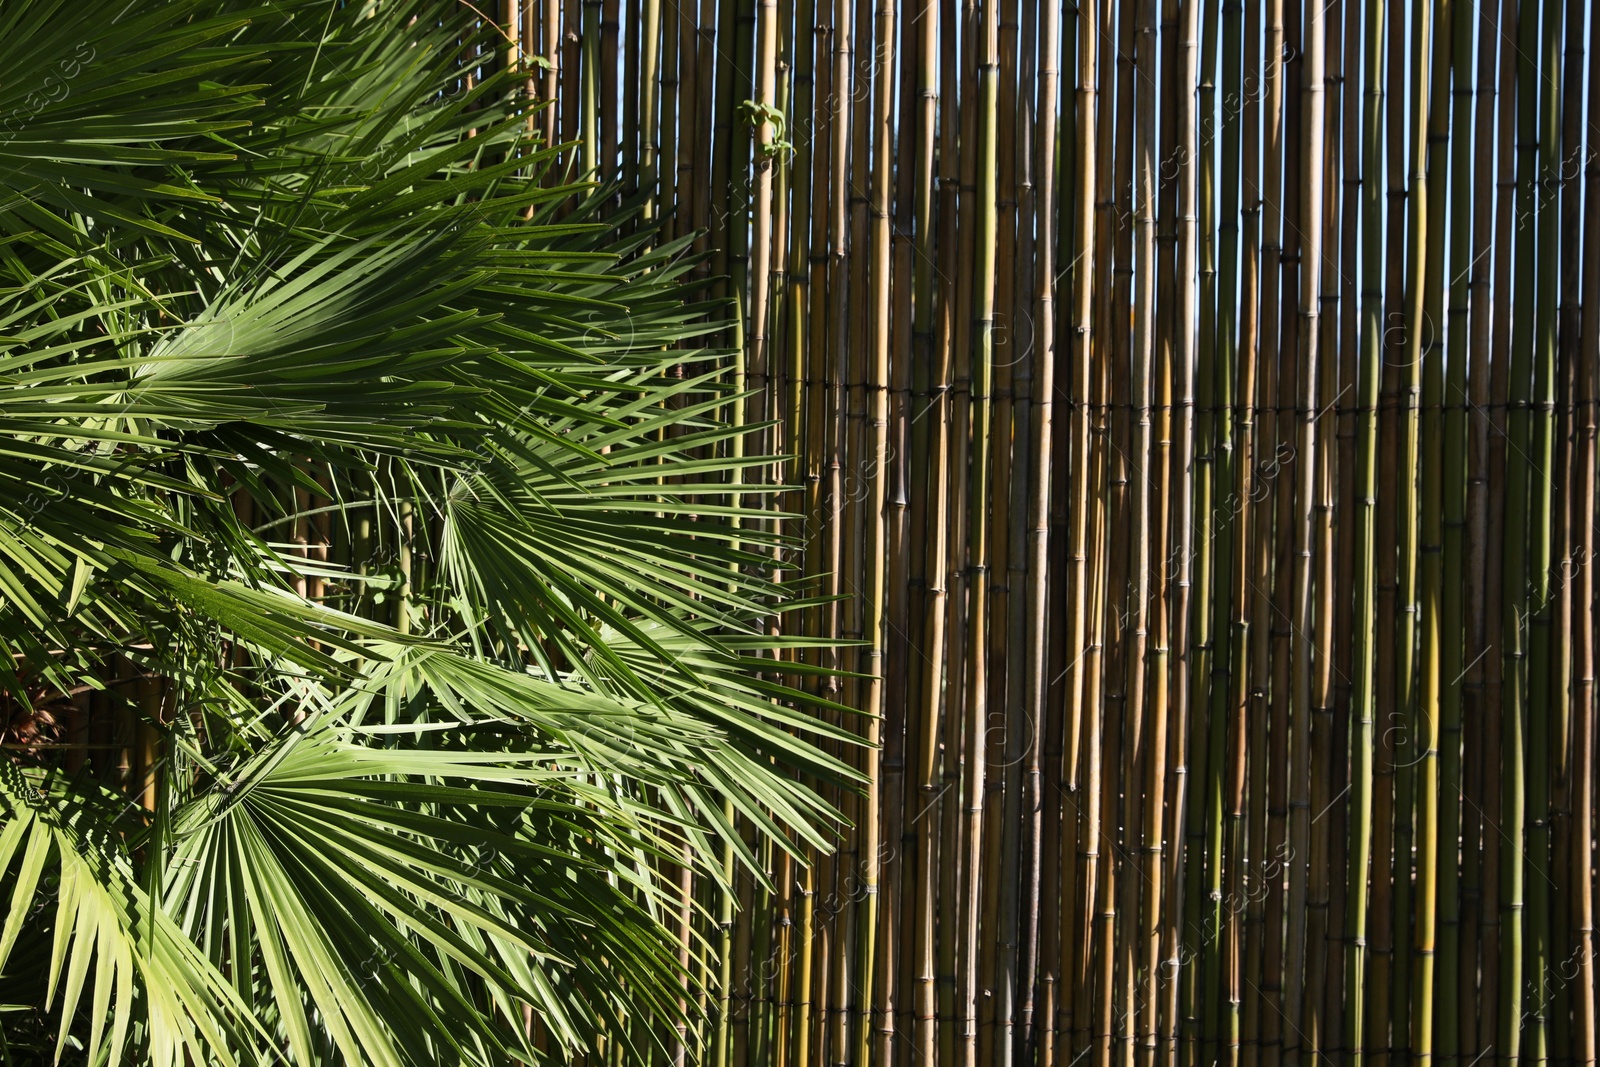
(278,269)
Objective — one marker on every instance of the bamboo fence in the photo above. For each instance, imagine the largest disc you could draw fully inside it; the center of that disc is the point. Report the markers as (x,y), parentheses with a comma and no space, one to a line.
(1190,409)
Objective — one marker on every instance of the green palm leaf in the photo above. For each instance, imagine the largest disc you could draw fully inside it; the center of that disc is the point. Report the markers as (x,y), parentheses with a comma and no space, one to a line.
(374,485)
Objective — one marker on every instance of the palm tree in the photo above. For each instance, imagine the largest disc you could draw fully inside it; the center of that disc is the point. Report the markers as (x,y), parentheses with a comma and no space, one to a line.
(382,596)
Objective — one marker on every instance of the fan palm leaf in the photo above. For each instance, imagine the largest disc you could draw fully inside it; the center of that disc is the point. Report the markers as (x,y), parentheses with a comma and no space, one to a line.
(390,475)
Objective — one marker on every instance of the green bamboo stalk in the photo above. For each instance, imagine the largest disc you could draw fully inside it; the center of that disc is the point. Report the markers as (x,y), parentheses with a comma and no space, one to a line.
(809,346)
(1560,729)
(588,131)
(1379,1006)
(716,209)
(831,326)
(1409,705)
(550,49)
(1516,573)
(1428,329)
(1248,593)
(1367,443)
(722,1046)
(649,111)
(1542,508)
(707,115)
(1479,838)
(674,129)
(746,920)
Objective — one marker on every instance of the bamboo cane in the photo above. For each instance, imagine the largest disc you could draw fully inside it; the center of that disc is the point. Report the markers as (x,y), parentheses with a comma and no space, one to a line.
(1143,709)
(1478,830)
(588,131)
(1583,693)
(1515,570)
(1001,730)
(631,36)
(649,113)
(605,130)
(1367,444)
(1036,609)
(1182,537)
(1228,529)
(1537,921)
(1429,346)
(1321,266)
(1257,403)
(1196,943)
(958,169)
(987,48)
(931,370)
(1272,682)
(1562,679)
(1454,492)
(1341,573)
(1080,803)
(1302,1015)
(871,662)
(1316,563)
(1561,943)
(896,975)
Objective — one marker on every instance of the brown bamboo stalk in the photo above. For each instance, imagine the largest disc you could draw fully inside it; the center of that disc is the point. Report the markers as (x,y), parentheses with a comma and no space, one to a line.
(958,170)
(1269,496)
(610,32)
(1297,398)
(1036,930)
(907,579)
(1080,803)
(1181,537)
(932,370)
(1144,710)
(1380,990)
(1478,877)
(1581,843)
(1000,841)
(1119,918)
(875,996)
(1327,763)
